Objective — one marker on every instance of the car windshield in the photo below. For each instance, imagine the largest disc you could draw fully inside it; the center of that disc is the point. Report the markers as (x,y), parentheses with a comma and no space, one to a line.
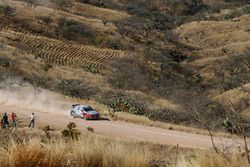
(88,109)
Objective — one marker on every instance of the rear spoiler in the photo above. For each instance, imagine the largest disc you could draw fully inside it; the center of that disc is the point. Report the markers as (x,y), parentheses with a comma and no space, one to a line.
(74,105)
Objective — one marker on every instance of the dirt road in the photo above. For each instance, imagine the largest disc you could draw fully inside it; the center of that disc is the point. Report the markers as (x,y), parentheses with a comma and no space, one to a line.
(128,131)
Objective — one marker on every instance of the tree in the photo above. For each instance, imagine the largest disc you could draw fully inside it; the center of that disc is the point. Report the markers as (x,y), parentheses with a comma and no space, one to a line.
(61,4)
(31,3)
(197,117)
(238,124)
(7,10)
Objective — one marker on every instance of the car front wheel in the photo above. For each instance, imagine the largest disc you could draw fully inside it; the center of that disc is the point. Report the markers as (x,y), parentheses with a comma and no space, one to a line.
(72,114)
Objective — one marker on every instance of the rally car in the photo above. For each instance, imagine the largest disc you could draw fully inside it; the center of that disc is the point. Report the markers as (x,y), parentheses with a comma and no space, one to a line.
(84,111)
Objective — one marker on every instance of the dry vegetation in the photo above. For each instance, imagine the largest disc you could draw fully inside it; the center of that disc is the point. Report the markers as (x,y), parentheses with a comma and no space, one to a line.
(87,151)
(170,126)
(153,58)
(25,147)
(170,54)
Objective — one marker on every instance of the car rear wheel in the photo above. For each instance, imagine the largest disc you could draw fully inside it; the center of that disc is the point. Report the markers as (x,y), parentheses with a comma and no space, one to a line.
(72,114)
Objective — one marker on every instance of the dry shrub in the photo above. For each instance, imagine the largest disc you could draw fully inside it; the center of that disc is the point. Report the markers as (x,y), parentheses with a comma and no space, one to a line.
(77,88)
(94,152)
(7,10)
(214,160)
(88,155)
(27,155)
(130,73)
(35,154)
(57,155)
(4,161)
(89,151)
(211,159)
(120,152)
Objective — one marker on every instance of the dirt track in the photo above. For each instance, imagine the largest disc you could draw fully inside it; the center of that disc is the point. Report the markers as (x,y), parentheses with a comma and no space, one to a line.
(127,130)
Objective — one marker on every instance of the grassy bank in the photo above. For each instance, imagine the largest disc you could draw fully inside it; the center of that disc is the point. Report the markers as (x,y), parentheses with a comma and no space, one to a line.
(29,148)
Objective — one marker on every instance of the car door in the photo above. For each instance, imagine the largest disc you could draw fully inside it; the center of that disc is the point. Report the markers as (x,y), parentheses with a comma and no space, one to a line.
(79,111)
(84,112)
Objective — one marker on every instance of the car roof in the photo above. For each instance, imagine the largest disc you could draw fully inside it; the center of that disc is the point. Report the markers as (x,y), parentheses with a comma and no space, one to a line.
(81,105)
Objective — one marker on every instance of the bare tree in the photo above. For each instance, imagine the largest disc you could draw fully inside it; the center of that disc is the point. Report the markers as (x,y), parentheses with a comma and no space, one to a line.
(222,150)
(238,123)
(197,117)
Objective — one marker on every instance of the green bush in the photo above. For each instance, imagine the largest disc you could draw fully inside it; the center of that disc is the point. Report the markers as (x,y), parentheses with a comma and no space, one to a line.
(70,25)
(72,30)
(92,68)
(5,62)
(238,12)
(188,7)
(46,19)
(7,10)
(118,85)
(246,9)
(123,104)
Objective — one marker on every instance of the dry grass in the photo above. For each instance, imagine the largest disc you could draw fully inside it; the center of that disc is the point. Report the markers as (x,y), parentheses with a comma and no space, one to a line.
(106,154)
(34,153)
(142,120)
(39,11)
(96,12)
(214,160)
(61,53)
(88,151)
(92,150)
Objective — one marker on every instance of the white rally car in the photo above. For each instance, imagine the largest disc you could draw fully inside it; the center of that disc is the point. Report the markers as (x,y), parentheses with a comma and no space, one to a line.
(84,111)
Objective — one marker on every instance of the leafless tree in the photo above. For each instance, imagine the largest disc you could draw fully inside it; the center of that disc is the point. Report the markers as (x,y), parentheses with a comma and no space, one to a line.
(239,124)
(197,117)
(222,150)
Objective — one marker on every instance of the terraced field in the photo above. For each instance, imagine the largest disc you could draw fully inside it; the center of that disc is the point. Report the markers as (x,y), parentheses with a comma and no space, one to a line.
(63,53)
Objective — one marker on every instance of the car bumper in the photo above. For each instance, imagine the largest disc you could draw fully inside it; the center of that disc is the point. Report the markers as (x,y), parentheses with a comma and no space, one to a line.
(92,117)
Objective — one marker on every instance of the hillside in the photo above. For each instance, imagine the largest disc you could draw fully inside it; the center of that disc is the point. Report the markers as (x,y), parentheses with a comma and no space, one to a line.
(157,59)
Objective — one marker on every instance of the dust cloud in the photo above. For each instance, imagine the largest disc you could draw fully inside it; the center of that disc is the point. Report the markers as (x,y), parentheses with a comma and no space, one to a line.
(25,96)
